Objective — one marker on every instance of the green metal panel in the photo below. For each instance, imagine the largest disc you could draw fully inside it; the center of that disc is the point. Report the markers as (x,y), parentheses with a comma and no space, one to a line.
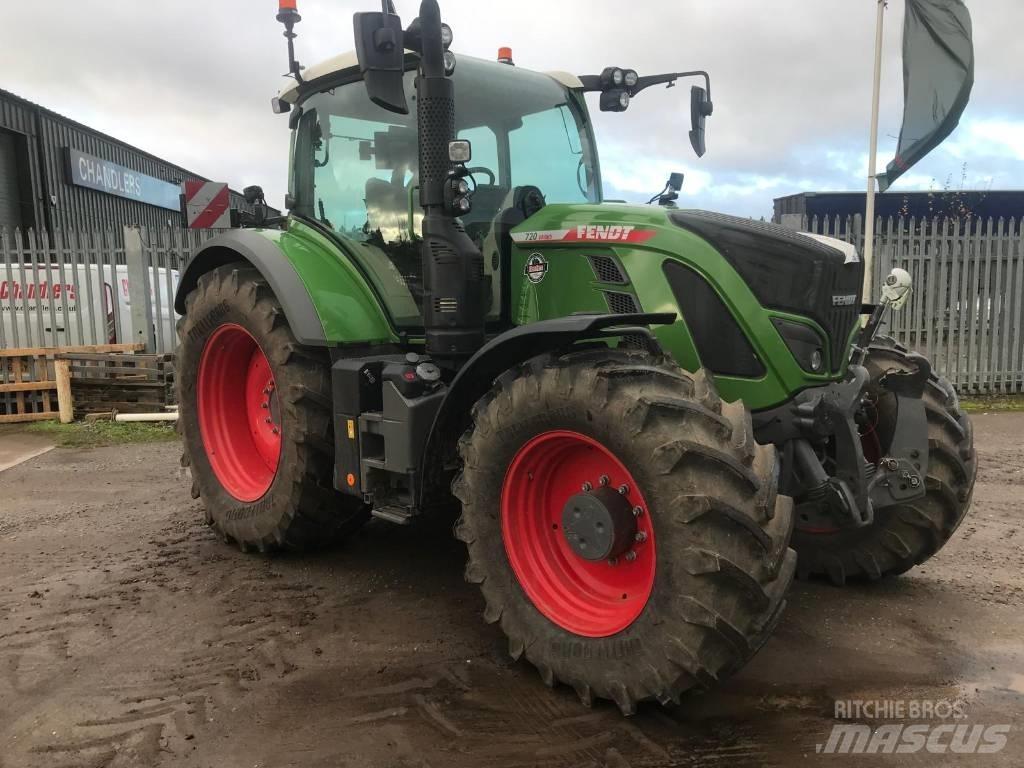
(564,235)
(349,309)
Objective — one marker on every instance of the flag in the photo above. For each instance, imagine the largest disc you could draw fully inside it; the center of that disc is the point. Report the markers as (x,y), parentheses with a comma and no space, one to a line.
(938,74)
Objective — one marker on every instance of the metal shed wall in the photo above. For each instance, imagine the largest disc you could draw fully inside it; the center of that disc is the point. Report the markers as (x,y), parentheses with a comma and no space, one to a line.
(54,202)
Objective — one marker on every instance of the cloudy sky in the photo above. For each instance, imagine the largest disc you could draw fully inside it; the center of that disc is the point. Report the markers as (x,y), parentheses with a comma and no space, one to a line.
(190,81)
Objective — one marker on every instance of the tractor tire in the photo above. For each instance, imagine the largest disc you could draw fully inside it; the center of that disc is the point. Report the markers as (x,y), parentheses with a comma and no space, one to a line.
(698,500)
(903,535)
(255,419)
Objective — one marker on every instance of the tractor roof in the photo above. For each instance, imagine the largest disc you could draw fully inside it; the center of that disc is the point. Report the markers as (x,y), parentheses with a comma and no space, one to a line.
(346,61)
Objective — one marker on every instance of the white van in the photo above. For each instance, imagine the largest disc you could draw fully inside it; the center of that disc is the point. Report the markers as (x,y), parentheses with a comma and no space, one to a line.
(46,305)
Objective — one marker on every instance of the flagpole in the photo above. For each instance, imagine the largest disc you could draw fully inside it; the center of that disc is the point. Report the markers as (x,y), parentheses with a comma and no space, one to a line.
(869,214)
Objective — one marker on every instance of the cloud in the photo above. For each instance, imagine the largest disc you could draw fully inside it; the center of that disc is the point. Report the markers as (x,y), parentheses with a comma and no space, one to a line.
(190,81)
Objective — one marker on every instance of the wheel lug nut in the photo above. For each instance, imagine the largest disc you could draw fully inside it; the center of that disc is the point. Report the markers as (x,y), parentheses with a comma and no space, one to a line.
(603,480)
(640,537)
(587,486)
(623,489)
(631,556)
(265,405)
(613,561)
(268,421)
(637,511)
(276,431)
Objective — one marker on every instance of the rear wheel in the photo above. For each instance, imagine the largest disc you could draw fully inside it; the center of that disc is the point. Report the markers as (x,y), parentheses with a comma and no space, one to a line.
(255,418)
(903,535)
(623,525)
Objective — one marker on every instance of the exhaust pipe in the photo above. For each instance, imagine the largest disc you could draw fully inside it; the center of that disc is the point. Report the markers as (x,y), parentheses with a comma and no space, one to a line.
(453,267)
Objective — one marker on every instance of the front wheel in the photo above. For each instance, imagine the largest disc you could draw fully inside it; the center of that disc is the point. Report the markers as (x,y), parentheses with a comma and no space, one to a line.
(623,525)
(255,419)
(902,535)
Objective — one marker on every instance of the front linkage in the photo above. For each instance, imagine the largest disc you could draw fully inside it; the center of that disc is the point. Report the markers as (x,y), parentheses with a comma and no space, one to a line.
(828,426)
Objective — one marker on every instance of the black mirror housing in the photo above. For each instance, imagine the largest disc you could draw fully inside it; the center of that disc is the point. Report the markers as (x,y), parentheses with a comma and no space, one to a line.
(381,53)
(675,181)
(253,194)
(700,108)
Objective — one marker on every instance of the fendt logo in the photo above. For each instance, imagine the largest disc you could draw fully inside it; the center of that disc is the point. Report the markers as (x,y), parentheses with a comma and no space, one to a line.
(598,232)
(588,233)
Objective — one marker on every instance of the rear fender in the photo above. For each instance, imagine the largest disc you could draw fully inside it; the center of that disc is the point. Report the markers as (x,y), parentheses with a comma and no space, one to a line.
(325,298)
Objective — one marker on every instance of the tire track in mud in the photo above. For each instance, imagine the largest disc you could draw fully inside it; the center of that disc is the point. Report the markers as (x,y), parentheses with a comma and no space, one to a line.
(66,636)
(477,715)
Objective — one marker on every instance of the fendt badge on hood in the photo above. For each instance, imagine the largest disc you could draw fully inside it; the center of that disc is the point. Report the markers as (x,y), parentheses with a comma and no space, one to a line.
(587,233)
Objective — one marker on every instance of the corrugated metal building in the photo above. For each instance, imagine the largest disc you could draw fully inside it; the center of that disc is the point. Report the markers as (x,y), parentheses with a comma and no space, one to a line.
(954,203)
(56,173)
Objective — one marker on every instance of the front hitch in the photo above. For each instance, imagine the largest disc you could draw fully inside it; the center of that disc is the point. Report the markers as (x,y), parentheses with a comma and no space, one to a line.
(856,489)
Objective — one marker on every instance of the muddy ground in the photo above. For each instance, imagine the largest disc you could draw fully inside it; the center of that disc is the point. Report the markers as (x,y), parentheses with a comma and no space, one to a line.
(130,635)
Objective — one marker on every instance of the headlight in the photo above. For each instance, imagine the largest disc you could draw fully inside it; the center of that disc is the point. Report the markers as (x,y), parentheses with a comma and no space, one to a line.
(614,100)
(816,361)
(618,76)
(446,35)
(630,78)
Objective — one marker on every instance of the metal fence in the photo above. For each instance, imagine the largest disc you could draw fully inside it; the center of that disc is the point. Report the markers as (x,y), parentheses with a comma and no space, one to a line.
(92,287)
(967,306)
(99,287)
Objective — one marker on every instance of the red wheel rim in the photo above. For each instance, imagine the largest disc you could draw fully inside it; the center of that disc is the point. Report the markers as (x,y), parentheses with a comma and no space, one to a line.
(239,416)
(592,599)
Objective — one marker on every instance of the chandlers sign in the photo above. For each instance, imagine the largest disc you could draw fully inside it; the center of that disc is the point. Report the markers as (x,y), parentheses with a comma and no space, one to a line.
(104,176)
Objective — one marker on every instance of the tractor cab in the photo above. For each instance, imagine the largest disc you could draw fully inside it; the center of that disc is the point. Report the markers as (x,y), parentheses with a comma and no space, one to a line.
(355,166)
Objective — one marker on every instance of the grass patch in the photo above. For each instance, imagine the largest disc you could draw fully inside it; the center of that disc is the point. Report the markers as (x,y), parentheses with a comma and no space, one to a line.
(993,403)
(92,434)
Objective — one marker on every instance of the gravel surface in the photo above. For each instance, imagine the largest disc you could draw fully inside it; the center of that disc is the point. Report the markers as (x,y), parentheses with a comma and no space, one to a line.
(131,636)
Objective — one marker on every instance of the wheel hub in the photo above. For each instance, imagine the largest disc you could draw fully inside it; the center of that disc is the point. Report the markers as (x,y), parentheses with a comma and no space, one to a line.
(598,524)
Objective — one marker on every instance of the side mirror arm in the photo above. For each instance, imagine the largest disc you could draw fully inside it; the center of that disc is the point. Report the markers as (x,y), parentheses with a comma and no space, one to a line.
(593,83)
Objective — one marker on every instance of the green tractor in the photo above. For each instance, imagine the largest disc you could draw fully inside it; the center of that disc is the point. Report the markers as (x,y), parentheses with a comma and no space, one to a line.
(640,409)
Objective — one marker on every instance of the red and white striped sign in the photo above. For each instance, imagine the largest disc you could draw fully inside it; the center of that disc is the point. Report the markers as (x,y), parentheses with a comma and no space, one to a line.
(207,205)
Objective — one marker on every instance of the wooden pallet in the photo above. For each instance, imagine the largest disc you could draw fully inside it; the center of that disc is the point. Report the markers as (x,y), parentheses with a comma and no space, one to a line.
(35,383)
(126,383)
(28,389)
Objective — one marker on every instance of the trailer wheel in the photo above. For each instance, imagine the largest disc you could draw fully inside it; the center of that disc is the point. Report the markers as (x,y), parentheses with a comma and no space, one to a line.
(623,525)
(903,535)
(255,419)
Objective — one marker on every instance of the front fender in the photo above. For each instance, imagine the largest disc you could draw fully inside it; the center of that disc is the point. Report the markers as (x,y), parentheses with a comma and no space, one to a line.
(497,356)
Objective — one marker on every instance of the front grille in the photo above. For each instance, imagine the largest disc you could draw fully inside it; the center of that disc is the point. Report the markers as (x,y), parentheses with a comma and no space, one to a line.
(787,271)
(841,320)
(621,303)
(607,270)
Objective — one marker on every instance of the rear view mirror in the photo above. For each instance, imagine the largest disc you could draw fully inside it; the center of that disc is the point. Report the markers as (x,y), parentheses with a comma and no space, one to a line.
(381,54)
(700,108)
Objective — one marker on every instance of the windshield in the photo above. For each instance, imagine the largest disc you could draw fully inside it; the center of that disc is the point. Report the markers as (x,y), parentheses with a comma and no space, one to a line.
(355,164)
